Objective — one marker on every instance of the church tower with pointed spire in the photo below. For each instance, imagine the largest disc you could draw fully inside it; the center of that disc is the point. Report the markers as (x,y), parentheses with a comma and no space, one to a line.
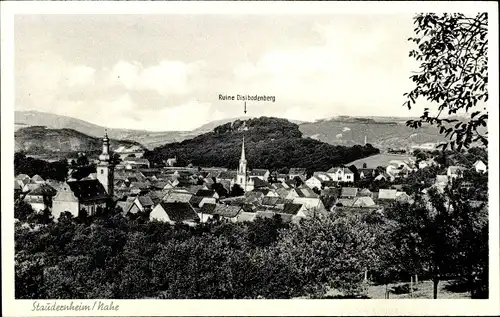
(241,177)
(105,167)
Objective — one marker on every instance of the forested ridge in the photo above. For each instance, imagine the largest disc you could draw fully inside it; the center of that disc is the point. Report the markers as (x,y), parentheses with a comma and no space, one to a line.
(270,143)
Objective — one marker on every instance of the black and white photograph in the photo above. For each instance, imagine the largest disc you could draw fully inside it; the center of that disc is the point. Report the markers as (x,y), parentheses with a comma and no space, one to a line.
(330,155)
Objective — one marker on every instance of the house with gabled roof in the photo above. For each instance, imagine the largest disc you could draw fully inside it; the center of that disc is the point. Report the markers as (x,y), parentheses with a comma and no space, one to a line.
(246,216)
(403,197)
(301,193)
(207,193)
(177,195)
(296,211)
(282,192)
(359,202)
(272,201)
(349,192)
(125,205)
(272,193)
(40,198)
(259,183)
(311,203)
(135,162)
(226,175)
(206,212)
(314,182)
(22,177)
(23,180)
(262,174)
(228,212)
(174,212)
(220,212)
(199,201)
(363,202)
(254,196)
(388,194)
(384,176)
(365,192)
(37,179)
(480,167)
(142,203)
(30,187)
(341,174)
(299,172)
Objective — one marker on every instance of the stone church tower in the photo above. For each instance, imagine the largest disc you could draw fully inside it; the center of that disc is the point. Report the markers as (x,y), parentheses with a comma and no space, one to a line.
(241,176)
(105,168)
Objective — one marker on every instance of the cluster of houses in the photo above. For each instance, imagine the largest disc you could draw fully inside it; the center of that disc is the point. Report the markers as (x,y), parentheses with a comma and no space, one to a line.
(193,195)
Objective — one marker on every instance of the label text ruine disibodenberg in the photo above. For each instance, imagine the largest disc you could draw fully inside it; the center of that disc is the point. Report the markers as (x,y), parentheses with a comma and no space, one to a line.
(247,98)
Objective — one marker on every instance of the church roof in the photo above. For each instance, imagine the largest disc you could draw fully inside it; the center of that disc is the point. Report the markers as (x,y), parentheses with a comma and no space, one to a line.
(88,189)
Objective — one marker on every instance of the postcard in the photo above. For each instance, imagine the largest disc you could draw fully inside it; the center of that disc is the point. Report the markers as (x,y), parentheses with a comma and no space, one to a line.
(249,158)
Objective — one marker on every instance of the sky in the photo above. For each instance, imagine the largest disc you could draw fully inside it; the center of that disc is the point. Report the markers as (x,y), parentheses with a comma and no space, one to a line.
(165,72)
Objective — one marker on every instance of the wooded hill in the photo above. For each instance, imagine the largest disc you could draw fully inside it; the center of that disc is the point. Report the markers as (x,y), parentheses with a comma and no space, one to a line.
(271,143)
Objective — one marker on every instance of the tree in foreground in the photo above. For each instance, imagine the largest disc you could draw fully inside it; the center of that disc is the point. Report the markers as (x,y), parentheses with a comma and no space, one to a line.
(236,190)
(452,51)
(444,234)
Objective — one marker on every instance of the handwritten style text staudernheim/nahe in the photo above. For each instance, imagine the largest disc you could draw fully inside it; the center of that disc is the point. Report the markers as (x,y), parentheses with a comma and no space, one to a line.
(72,306)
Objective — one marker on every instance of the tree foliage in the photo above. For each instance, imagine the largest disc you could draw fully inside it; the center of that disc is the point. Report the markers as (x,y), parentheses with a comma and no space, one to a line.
(453,55)
(236,190)
(47,170)
(443,234)
(116,257)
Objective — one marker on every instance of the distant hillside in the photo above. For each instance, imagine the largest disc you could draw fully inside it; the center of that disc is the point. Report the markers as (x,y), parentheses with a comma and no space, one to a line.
(39,139)
(269,142)
(53,121)
(381,132)
(149,139)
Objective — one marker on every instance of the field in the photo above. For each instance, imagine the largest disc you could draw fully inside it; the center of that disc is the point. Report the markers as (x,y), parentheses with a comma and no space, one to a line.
(378,160)
(425,291)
